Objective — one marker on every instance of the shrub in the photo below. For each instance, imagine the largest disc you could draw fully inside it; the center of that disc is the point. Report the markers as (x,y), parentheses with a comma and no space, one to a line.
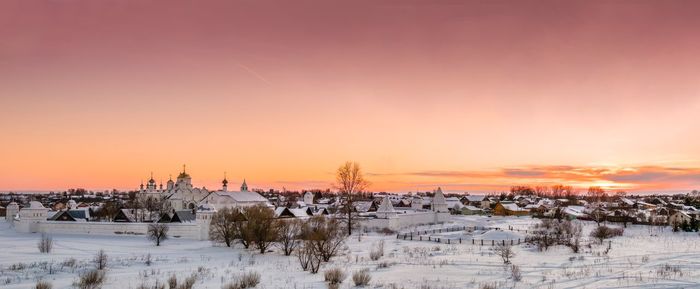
(505,251)
(334,276)
(603,232)
(41,284)
(667,271)
(101,260)
(70,262)
(515,273)
(187,284)
(92,279)
(387,231)
(172,282)
(383,264)
(244,281)
(553,232)
(377,253)
(361,278)
(45,244)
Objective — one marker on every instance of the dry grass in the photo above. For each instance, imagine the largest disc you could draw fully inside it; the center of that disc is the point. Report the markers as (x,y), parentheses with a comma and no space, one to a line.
(361,278)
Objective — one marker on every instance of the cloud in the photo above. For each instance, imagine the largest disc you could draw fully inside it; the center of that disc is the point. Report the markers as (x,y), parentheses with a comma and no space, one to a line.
(609,177)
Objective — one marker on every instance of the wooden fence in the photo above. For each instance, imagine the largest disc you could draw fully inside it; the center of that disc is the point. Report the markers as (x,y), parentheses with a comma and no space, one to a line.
(419,236)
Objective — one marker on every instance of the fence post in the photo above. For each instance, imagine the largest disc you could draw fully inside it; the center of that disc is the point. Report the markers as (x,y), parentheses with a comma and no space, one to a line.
(429,238)
(472,241)
(493,242)
(504,242)
(482,242)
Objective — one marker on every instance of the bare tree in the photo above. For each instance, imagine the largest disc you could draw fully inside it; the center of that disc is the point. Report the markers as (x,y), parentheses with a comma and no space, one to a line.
(45,244)
(100,260)
(158,232)
(262,225)
(598,214)
(308,257)
(223,226)
(288,235)
(325,235)
(597,194)
(505,251)
(349,182)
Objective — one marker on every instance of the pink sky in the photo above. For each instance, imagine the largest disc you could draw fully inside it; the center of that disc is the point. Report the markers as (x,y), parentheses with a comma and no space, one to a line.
(468,95)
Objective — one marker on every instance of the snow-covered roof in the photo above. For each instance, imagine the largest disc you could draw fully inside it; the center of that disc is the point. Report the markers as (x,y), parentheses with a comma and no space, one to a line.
(627,201)
(574,211)
(243,197)
(475,198)
(36,205)
(512,207)
(385,206)
(472,208)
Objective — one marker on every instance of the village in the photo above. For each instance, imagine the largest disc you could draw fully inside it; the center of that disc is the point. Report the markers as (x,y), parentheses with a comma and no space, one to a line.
(169,236)
(679,211)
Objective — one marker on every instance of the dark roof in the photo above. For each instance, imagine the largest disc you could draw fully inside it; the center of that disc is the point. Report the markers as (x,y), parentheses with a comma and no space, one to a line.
(124,215)
(78,214)
(183,216)
(62,216)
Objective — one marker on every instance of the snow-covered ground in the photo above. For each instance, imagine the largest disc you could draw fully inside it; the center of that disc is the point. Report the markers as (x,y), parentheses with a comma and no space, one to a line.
(636,260)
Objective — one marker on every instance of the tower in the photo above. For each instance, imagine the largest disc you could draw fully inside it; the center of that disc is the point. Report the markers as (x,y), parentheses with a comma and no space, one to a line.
(224,183)
(203,217)
(184,180)
(151,183)
(439,204)
(170,184)
(11,212)
(244,186)
(386,209)
(31,216)
(309,198)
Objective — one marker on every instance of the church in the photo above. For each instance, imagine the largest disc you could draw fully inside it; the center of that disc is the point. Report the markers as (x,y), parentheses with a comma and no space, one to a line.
(182,195)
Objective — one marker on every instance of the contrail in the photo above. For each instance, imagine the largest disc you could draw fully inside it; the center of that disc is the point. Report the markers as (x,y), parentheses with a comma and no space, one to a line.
(252,72)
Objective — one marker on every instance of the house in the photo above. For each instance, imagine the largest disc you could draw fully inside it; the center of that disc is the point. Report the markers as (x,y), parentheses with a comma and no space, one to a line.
(678,218)
(124,216)
(182,216)
(471,210)
(574,212)
(509,209)
(283,212)
(478,201)
(70,216)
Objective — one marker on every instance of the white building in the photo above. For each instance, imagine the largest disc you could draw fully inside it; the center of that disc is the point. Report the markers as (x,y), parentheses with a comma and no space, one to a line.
(183,195)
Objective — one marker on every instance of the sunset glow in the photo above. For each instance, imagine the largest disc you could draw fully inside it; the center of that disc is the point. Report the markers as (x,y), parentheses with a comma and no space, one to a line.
(466,95)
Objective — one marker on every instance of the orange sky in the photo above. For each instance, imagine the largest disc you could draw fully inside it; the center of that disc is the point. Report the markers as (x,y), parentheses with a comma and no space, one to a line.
(468,95)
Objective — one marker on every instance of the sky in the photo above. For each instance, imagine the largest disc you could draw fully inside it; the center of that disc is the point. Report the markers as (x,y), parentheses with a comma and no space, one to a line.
(466,95)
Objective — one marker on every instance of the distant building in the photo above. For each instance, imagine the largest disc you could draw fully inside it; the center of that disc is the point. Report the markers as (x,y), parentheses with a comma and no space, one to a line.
(182,195)
(509,209)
